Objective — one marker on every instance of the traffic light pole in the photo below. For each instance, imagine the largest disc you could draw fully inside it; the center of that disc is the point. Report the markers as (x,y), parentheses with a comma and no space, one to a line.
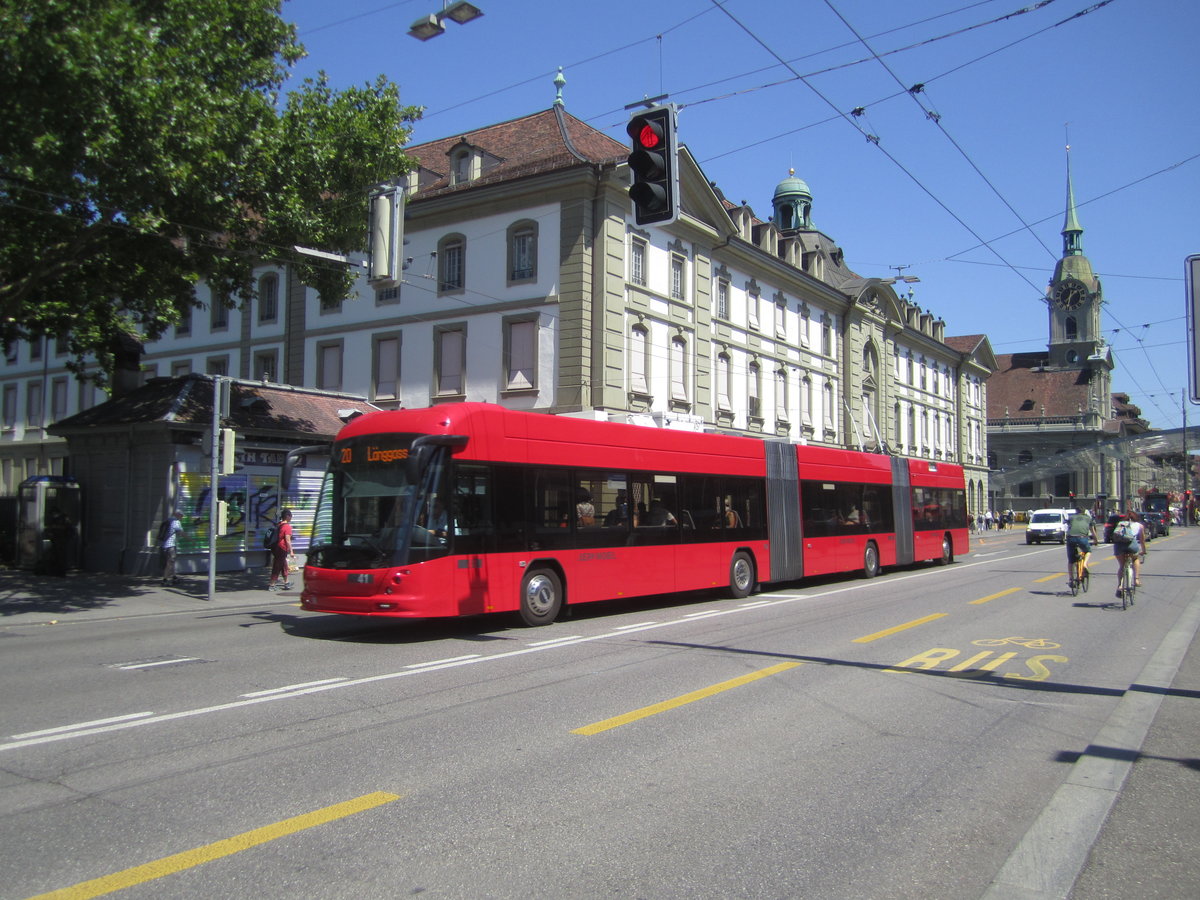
(214,480)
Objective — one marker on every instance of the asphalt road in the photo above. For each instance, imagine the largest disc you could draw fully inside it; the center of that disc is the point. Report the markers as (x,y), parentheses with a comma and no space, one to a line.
(937,732)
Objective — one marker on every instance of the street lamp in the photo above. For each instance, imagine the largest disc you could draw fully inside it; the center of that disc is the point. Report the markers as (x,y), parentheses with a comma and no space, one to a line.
(430,26)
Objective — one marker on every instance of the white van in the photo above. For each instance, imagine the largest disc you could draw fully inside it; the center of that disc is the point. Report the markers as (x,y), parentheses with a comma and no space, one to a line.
(1048,525)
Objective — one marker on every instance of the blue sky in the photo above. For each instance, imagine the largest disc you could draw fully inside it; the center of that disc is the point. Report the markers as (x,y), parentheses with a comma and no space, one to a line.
(972,203)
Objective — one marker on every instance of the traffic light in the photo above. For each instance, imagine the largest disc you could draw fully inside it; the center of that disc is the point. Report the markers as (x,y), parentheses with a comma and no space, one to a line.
(387,236)
(653,172)
(228,451)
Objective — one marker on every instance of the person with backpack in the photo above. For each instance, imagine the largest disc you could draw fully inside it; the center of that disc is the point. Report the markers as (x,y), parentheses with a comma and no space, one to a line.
(278,541)
(1129,539)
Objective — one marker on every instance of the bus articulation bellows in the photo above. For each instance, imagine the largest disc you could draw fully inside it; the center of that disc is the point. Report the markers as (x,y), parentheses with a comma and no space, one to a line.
(472,508)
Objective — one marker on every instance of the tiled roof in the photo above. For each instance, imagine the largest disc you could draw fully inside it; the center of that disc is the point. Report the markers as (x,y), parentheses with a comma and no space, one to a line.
(542,142)
(965,343)
(1020,388)
(187,400)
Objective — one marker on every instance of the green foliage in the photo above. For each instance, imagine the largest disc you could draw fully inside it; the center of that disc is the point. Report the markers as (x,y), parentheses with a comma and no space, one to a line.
(146,146)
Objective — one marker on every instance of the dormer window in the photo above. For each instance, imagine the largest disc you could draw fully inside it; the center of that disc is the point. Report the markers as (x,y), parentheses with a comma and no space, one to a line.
(461,165)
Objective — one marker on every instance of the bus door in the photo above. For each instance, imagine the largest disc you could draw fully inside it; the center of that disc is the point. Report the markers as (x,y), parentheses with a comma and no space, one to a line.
(474,528)
(902,508)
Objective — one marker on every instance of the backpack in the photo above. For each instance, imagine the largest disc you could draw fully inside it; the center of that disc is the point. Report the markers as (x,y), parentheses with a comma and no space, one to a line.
(271,538)
(1124,532)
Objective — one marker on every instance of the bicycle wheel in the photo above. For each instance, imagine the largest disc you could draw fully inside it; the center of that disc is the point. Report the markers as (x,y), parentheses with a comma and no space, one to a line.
(1087,578)
(1072,584)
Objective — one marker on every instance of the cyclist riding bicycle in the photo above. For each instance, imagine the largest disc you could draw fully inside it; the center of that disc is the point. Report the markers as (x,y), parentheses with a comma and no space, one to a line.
(1081,533)
(1129,539)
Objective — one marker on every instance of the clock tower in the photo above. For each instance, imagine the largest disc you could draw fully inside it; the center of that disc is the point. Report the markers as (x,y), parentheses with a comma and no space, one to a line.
(1074,297)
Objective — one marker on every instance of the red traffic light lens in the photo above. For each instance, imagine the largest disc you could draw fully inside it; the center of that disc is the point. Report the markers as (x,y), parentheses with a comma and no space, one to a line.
(649,136)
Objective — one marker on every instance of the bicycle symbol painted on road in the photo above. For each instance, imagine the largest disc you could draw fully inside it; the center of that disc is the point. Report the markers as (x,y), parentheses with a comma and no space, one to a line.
(1031,643)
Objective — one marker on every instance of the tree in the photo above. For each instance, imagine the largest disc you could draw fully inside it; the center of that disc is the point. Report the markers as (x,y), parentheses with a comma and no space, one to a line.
(147,146)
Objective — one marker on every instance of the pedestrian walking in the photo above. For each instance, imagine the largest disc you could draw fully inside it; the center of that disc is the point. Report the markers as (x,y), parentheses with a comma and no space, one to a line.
(281,552)
(168,544)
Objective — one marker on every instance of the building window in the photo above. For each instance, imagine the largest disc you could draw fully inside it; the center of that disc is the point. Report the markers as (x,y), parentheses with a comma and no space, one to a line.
(804,323)
(452,264)
(826,336)
(677,269)
(522,251)
(386,368)
(183,327)
(181,368)
(10,352)
(268,298)
(754,391)
(639,370)
(461,165)
(781,395)
(780,318)
(329,365)
(450,361)
(752,300)
(722,299)
(724,391)
(637,261)
(679,380)
(266,365)
(897,424)
(828,402)
(384,296)
(10,406)
(520,354)
(909,376)
(218,315)
(1071,327)
(58,399)
(35,347)
(33,404)
(217,365)
(807,401)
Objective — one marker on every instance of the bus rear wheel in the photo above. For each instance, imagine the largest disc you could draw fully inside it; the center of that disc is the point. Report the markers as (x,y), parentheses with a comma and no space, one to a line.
(541,597)
(741,575)
(871,560)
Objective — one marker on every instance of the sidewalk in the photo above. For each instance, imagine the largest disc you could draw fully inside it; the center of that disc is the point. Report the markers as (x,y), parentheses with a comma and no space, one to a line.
(28,599)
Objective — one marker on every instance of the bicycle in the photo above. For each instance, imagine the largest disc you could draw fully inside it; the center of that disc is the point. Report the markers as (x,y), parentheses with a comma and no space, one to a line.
(1126,583)
(1078,575)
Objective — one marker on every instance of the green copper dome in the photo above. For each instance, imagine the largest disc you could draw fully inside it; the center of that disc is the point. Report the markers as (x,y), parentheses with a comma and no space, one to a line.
(791,186)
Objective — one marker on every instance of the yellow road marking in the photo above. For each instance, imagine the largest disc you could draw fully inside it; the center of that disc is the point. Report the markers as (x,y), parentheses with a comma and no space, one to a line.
(169,865)
(994,596)
(656,708)
(888,631)
(1050,577)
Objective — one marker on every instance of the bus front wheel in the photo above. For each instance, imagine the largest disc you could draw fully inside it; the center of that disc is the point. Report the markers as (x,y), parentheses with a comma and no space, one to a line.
(741,575)
(871,560)
(541,597)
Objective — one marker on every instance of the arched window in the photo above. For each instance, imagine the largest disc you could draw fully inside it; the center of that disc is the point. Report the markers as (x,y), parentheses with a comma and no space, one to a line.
(452,264)
(724,391)
(754,391)
(522,251)
(679,361)
(781,395)
(639,375)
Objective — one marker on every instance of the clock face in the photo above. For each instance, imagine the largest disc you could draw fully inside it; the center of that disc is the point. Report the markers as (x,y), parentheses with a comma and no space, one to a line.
(1070,295)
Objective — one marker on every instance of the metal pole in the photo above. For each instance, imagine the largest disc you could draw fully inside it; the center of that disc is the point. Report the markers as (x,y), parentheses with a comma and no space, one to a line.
(1186,467)
(214,476)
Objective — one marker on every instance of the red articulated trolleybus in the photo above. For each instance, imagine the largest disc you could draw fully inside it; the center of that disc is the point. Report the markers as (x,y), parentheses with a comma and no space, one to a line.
(472,508)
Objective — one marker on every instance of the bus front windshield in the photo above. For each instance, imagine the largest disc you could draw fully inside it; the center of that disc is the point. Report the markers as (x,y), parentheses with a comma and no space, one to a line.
(376,508)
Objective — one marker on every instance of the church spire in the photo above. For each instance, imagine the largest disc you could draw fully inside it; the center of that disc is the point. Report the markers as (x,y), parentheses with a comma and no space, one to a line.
(1072,232)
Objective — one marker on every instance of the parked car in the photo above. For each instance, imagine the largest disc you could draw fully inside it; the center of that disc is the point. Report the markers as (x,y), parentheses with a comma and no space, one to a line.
(1048,525)
(1156,523)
